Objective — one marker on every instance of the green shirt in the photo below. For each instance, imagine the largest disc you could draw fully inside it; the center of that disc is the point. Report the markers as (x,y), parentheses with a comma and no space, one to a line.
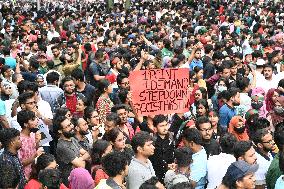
(273,173)
(166,52)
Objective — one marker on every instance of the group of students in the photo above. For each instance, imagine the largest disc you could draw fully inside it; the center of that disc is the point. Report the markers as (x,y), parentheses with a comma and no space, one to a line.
(67,117)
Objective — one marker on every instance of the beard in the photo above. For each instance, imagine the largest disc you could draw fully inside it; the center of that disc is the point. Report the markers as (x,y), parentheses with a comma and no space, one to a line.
(69,134)
(69,92)
(84,132)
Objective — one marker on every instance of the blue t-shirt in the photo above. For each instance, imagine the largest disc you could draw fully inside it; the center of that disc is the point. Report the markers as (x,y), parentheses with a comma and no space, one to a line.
(226,113)
(198,169)
(194,63)
(10,61)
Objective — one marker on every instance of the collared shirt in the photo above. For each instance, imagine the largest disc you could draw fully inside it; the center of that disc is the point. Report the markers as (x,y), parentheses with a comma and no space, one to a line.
(264,163)
(12,159)
(50,93)
(226,113)
(198,168)
(138,173)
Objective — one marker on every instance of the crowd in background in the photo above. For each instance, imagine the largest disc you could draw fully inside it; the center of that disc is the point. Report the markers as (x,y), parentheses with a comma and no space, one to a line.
(67,118)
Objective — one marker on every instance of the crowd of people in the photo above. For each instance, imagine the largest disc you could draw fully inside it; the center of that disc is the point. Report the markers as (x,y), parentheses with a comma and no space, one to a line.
(67,118)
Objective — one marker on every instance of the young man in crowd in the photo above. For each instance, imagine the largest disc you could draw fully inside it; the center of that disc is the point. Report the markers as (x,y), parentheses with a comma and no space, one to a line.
(264,145)
(228,110)
(124,126)
(140,168)
(240,174)
(116,166)
(218,164)
(11,142)
(81,86)
(70,96)
(210,145)
(51,91)
(164,147)
(69,152)
(244,150)
(30,138)
(198,169)
(81,130)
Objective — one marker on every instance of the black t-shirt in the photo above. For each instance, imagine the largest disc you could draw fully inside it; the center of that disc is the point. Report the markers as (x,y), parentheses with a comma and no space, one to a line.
(95,69)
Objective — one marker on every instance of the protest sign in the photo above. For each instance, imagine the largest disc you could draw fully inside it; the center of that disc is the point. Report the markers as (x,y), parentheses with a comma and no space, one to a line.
(160,91)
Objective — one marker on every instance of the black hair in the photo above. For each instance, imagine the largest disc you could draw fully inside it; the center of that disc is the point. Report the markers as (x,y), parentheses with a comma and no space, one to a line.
(242,83)
(183,156)
(192,135)
(10,177)
(281,161)
(150,183)
(114,163)
(98,150)
(279,139)
(159,119)
(281,83)
(32,86)
(183,185)
(208,48)
(227,142)
(61,112)
(113,117)
(241,147)
(113,134)
(258,135)
(50,178)
(78,74)
(25,96)
(140,139)
(42,162)
(101,87)
(122,95)
(51,77)
(120,77)
(24,116)
(118,107)
(22,85)
(57,123)
(204,103)
(88,112)
(7,135)
(65,79)
(201,120)
(231,93)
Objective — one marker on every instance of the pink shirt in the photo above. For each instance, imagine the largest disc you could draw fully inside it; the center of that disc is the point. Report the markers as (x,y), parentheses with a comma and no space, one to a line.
(28,150)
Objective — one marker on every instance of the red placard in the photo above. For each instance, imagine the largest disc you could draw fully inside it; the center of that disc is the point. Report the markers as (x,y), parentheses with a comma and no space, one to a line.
(160,91)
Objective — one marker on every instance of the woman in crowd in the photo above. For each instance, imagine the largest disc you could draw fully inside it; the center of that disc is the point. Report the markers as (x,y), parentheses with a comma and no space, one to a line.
(102,99)
(100,149)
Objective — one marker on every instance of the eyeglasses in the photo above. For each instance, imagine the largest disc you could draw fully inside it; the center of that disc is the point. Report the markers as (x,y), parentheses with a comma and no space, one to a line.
(125,83)
(269,142)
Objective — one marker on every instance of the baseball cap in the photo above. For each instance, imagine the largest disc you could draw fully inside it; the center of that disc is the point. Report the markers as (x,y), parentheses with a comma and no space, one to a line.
(239,169)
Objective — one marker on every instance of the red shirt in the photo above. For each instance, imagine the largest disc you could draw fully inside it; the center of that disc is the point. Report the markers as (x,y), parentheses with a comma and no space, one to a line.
(71,102)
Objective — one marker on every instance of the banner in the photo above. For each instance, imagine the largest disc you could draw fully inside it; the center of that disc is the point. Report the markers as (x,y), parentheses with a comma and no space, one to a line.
(160,91)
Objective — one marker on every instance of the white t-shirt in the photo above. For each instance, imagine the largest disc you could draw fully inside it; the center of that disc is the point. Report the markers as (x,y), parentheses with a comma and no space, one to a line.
(217,166)
(263,168)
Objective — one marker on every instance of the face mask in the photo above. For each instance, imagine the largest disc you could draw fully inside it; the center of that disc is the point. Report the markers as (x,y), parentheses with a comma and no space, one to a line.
(256,105)
(240,130)
(69,134)
(222,88)
(34,130)
(279,110)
